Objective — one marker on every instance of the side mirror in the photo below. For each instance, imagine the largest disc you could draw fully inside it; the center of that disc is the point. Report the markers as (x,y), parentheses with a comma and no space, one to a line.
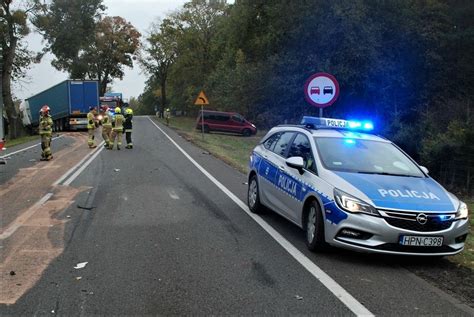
(424,169)
(296,162)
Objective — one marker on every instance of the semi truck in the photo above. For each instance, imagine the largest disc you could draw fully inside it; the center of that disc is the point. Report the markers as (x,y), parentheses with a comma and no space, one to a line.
(69,101)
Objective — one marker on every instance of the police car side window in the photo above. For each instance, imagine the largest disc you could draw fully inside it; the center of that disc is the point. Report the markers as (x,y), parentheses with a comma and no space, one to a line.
(301,147)
(283,142)
(269,143)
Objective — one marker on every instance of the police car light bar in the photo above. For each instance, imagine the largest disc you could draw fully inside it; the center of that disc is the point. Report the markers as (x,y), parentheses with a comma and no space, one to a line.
(329,123)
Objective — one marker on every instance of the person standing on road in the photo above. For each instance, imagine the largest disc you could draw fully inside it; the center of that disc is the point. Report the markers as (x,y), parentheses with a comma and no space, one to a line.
(167,116)
(45,131)
(106,127)
(117,129)
(91,127)
(127,125)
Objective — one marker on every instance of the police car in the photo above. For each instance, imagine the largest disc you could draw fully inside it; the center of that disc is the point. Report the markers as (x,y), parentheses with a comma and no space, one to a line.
(352,189)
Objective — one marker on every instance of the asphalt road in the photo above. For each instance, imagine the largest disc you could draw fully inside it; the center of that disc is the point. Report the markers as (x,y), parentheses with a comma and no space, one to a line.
(161,238)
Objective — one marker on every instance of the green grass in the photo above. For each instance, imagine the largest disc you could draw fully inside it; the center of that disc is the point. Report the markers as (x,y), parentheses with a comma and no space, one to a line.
(466,258)
(21,140)
(232,149)
(235,150)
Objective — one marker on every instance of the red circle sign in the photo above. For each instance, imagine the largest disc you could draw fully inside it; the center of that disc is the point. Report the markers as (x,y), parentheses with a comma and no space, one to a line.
(321,90)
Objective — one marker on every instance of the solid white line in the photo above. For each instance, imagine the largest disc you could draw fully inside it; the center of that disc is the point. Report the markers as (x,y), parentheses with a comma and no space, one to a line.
(27,148)
(83,167)
(347,299)
(65,175)
(24,217)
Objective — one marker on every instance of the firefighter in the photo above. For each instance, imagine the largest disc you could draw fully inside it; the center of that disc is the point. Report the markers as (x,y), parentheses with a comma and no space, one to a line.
(91,125)
(106,127)
(117,129)
(167,116)
(45,131)
(127,125)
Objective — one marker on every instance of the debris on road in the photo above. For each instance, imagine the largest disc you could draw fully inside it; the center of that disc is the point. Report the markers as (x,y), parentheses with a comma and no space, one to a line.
(81,265)
(117,170)
(298,297)
(245,183)
(78,278)
(85,207)
(32,160)
(12,273)
(68,216)
(3,162)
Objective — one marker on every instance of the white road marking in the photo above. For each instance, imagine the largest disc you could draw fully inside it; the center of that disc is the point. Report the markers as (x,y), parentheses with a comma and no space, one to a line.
(27,148)
(173,194)
(24,217)
(347,299)
(83,167)
(65,175)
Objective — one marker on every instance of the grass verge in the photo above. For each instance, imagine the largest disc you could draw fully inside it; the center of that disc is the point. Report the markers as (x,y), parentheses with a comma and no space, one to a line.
(21,140)
(235,150)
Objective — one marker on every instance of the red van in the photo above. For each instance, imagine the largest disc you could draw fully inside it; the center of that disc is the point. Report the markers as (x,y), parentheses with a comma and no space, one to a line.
(225,122)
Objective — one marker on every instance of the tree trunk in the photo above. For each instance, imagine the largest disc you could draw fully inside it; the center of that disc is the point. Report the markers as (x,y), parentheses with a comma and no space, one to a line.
(163,95)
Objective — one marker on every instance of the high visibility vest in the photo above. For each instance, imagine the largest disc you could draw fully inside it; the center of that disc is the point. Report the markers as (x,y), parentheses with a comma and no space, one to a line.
(118,119)
(46,125)
(90,120)
(107,121)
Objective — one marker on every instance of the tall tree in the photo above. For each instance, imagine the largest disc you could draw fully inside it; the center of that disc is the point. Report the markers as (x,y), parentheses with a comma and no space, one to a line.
(15,56)
(160,53)
(114,46)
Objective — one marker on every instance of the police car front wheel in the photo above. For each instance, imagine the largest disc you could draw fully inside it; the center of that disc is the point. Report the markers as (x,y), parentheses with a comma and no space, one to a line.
(253,198)
(314,228)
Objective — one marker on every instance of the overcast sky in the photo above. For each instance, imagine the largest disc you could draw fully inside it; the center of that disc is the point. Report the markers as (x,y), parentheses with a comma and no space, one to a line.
(141,13)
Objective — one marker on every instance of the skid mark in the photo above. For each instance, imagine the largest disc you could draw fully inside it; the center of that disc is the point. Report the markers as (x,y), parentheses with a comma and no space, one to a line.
(38,241)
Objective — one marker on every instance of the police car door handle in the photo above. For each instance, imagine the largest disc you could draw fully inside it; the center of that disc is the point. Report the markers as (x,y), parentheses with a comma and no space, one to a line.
(281,167)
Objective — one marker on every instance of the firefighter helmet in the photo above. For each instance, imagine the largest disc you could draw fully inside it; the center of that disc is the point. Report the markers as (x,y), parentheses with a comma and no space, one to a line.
(118,110)
(45,109)
(129,111)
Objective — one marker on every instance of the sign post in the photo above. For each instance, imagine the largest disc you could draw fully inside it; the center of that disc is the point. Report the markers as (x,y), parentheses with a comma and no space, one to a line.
(202,100)
(321,90)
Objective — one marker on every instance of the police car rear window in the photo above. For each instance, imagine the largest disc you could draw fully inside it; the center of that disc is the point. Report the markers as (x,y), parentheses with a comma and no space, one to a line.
(365,156)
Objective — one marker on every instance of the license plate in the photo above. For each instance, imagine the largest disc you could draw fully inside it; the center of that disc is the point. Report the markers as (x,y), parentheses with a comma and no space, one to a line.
(420,241)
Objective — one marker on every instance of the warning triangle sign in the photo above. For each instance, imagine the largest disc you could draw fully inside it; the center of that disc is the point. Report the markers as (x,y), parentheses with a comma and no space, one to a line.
(201,100)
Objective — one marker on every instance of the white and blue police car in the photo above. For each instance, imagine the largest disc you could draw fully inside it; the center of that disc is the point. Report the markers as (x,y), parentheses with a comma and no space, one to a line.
(352,189)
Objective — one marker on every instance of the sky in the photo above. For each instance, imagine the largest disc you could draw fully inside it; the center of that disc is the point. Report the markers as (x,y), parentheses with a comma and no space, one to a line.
(141,13)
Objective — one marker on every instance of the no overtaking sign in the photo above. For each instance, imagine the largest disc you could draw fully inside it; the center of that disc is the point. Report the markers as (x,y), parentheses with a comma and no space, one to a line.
(321,90)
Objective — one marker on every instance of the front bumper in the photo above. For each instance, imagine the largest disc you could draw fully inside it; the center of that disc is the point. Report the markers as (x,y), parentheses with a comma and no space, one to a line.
(378,236)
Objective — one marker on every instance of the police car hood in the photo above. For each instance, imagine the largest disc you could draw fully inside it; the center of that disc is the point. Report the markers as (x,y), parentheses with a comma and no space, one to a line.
(401,192)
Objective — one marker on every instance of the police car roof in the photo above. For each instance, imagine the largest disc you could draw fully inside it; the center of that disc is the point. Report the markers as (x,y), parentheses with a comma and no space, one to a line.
(330,133)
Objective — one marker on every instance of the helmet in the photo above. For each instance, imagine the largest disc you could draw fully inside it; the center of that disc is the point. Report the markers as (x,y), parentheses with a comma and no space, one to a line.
(129,111)
(45,109)
(118,110)
(92,108)
(167,109)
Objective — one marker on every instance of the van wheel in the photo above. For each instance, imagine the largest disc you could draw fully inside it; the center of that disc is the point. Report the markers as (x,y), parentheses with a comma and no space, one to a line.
(206,129)
(314,228)
(253,198)
(246,132)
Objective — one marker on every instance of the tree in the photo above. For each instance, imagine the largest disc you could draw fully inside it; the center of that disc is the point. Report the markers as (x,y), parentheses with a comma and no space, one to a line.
(114,46)
(160,53)
(68,26)
(15,57)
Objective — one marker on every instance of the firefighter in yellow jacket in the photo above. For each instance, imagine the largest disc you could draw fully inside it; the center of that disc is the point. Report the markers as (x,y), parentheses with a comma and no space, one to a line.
(117,130)
(45,131)
(106,128)
(91,125)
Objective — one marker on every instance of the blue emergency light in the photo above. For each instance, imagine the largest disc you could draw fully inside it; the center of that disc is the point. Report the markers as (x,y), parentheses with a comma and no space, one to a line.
(328,123)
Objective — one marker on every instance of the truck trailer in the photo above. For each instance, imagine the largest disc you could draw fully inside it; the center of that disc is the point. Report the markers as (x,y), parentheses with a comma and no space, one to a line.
(69,101)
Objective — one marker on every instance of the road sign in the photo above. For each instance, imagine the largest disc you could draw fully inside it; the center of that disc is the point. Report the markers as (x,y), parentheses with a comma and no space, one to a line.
(321,90)
(201,100)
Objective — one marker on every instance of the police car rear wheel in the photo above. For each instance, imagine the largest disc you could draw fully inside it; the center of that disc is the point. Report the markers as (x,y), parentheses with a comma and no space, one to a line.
(314,228)
(253,199)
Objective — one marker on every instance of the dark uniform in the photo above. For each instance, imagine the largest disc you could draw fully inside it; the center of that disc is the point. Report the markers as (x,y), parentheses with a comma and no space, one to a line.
(127,125)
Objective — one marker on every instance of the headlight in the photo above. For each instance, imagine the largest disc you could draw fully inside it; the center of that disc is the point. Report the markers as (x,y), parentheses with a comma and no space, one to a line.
(463,212)
(352,204)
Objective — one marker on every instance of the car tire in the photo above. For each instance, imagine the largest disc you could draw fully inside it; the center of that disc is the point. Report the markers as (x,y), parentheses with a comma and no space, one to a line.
(206,129)
(246,132)
(314,227)
(253,196)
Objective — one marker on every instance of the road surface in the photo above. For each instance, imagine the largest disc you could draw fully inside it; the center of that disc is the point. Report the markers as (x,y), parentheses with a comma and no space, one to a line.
(164,230)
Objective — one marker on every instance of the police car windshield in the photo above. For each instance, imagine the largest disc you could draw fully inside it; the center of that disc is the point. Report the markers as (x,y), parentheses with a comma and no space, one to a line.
(365,156)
